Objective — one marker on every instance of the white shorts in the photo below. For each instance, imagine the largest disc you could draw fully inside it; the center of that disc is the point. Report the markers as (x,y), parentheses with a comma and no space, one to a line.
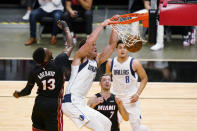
(81,114)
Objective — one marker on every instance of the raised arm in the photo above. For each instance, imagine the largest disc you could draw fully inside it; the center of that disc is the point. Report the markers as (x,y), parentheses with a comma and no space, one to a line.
(86,4)
(69,41)
(137,67)
(108,50)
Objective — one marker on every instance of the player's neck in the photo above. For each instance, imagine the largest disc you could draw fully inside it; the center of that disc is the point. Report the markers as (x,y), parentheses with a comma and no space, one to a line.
(122,59)
(105,94)
(90,58)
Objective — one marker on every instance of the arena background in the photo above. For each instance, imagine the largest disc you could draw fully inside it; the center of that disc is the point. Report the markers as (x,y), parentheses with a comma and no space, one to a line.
(168,102)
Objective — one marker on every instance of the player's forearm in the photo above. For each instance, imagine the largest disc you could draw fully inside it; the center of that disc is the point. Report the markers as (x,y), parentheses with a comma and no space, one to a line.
(113,39)
(93,105)
(94,35)
(26,91)
(123,112)
(68,36)
(107,52)
(142,85)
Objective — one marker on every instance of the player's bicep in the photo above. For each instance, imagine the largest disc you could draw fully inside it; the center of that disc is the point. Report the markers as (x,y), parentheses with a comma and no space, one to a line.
(137,66)
(77,60)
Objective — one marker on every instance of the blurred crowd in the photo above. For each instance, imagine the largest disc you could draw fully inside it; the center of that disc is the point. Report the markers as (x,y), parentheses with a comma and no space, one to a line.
(81,11)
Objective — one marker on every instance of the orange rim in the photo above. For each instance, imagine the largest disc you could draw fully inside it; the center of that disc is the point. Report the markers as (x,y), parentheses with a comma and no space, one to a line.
(144,17)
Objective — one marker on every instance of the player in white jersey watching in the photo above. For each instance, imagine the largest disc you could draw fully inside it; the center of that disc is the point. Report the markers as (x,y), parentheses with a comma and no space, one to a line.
(83,71)
(125,71)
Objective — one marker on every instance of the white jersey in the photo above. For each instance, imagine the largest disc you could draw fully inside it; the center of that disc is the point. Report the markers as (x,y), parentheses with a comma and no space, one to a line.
(81,78)
(124,78)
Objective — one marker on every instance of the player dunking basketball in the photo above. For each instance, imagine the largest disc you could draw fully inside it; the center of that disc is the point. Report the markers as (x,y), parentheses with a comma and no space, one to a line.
(84,67)
(49,76)
(125,71)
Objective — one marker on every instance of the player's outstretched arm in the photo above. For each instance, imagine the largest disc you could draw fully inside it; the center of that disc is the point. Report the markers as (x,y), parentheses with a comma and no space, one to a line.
(108,50)
(122,110)
(69,41)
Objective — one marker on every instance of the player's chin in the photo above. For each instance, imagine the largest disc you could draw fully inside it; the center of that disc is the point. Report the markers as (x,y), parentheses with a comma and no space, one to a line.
(122,55)
(94,54)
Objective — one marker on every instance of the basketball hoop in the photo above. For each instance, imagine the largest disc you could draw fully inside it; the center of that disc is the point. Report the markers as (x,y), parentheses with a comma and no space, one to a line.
(122,25)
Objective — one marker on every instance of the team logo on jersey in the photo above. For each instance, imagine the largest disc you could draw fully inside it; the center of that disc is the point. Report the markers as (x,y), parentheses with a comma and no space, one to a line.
(121,72)
(81,117)
(92,68)
(106,107)
(46,73)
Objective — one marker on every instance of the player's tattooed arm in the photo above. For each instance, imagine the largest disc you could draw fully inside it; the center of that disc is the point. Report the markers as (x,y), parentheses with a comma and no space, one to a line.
(69,45)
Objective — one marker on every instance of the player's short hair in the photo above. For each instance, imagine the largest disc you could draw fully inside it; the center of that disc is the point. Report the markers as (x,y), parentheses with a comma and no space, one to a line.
(39,55)
(104,75)
(82,42)
(119,42)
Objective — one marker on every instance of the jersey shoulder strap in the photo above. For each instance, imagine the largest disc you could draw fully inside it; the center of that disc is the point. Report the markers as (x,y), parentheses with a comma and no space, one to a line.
(131,69)
(112,96)
(112,63)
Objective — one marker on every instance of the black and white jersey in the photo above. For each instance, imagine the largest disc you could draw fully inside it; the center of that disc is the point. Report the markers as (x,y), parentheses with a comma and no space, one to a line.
(125,79)
(109,108)
(82,77)
(49,79)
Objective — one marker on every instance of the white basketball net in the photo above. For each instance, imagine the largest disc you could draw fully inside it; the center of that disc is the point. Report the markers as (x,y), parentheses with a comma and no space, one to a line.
(125,31)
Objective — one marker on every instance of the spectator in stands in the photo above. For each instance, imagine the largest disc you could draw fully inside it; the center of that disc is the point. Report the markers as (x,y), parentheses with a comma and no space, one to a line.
(189,33)
(52,8)
(29,4)
(136,6)
(160,31)
(79,8)
(142,6)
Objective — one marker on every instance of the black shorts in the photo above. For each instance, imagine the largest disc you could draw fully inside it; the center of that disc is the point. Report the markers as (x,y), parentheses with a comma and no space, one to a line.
(47,114)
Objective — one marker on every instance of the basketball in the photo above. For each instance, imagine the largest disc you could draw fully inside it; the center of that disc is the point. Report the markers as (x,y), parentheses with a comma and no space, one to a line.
(133,43)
